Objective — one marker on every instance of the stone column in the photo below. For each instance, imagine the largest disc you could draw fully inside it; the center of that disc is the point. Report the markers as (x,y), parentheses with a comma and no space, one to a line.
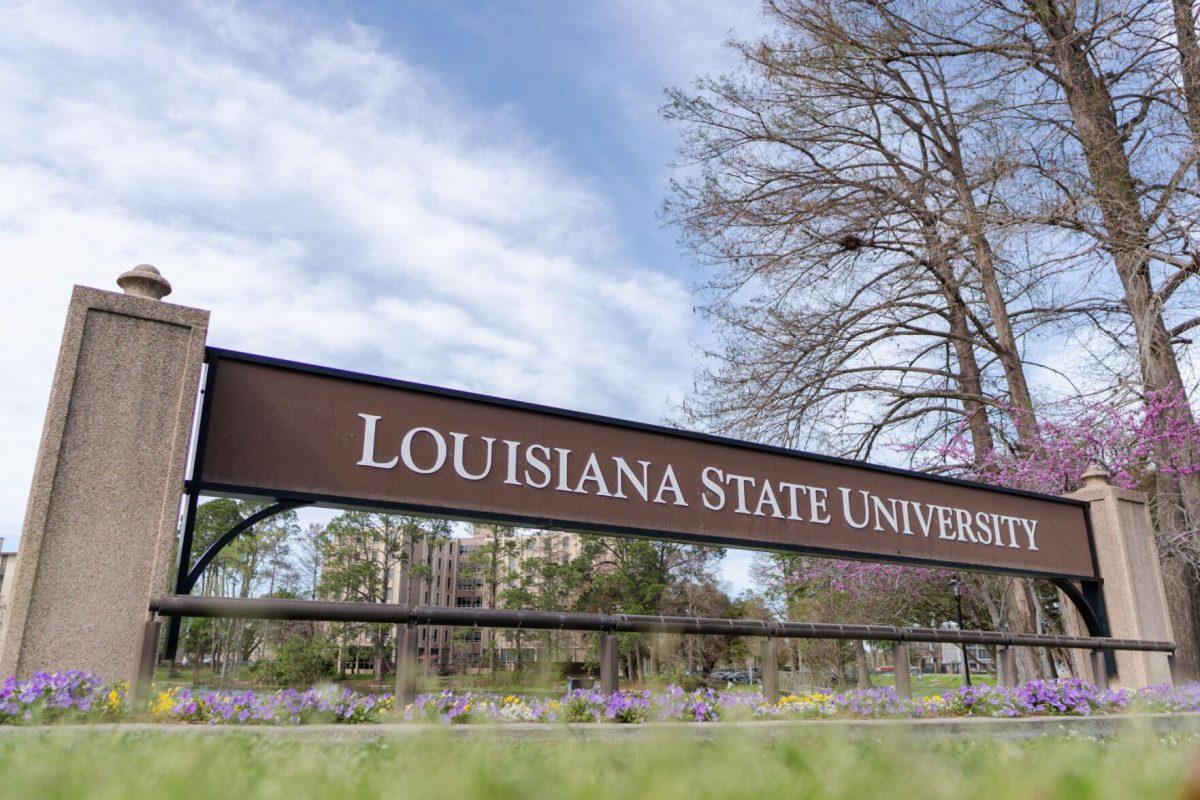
(770,669)
(100,524)
(1133,585)
(406,664)
(610,652)
(902,669)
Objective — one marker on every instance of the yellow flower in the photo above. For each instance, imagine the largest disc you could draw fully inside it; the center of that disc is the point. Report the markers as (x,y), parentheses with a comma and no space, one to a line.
(162,704)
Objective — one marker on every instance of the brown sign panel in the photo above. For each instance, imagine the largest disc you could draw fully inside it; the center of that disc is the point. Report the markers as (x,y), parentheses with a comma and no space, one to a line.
(275,429)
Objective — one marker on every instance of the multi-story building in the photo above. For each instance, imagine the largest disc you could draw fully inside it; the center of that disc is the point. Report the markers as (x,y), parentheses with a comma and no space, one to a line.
(447,574)
(475,590)
(425,576)
(8,559)
(429,580)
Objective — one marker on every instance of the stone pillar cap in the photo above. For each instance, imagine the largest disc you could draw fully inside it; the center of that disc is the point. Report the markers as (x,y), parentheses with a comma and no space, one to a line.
(144,280)
(1095,475)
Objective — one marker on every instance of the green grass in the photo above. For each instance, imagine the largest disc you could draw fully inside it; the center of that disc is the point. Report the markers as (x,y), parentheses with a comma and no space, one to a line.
(924,685)
(729,765)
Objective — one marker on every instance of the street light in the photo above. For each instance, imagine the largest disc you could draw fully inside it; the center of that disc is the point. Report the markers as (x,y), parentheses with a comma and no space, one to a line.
(957,584)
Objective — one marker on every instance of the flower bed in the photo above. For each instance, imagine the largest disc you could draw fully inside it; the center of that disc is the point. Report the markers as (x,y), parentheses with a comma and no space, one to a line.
(81,697)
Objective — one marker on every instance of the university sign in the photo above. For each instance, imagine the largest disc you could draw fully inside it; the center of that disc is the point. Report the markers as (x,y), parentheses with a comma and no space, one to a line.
(103,540)
(271,428)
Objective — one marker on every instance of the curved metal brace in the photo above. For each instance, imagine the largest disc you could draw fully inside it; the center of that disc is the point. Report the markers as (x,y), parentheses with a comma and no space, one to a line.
(193,576)
(1090,603)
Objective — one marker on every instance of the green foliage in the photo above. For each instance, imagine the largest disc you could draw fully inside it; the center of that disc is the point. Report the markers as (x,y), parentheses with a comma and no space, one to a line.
(300,661)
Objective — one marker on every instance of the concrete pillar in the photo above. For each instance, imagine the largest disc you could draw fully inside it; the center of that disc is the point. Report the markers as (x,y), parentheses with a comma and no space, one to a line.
(406,665)
(1133,585)
(1006,666)
(902,668)
(1099,669)
(100,524)
(151,633)
(770,669)
(610,650)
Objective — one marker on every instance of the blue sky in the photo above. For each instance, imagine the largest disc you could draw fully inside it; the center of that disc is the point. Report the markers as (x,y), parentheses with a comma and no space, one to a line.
(455,193)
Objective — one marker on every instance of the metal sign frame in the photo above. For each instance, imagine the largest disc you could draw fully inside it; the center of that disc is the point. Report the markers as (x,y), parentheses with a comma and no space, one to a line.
(1086,594)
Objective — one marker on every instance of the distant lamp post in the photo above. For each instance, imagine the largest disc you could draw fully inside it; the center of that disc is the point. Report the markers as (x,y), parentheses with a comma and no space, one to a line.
(957,584)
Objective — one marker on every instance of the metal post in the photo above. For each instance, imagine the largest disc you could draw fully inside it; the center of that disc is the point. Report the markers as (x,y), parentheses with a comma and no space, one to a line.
(966,656)
(147,659)
(1100,669)
(175,624)
(609,650)
(902,669)
(1006,666)
(406,665)
(770,670)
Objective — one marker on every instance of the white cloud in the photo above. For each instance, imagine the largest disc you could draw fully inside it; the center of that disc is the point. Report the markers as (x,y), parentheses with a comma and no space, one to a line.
(323,198)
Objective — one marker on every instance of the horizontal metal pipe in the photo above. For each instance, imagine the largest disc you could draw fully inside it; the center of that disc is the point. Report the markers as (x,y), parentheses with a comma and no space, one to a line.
(333,611)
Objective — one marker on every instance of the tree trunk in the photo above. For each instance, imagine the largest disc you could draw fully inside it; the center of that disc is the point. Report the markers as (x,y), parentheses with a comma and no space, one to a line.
(1189,66)
(861,665)
(969,373)
(1127,237)
(377,648)
(1022,618)
(1005,343)
(1179,580)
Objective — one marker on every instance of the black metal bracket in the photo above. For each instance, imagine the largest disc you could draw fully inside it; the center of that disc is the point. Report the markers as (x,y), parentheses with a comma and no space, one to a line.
(192,577)
(187,576)
(1088,599)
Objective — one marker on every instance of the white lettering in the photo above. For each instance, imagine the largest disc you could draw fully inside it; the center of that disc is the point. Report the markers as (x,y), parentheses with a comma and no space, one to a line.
(623,471)
(540,464)
(849,515)
(767,497)
(1030,525)
(818,512)
(670,484)
(563,460)
(591,472)
(983,522)
(882,513)
(712,486)
(945,518)
(510,477)
(742,481)
(460,447)
(368,456)
(793,501)
(406,451)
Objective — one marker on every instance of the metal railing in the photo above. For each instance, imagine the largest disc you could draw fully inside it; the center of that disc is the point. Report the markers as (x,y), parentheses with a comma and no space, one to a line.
(611,624)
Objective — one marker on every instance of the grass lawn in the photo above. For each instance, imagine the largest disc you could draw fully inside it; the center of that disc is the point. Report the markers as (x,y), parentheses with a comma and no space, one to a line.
(802,764)
(923,685)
